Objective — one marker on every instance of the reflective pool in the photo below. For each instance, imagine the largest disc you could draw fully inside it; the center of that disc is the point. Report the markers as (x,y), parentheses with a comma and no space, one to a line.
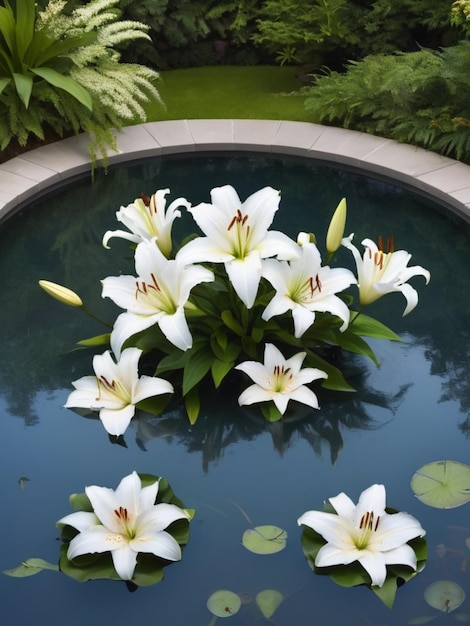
(413,409)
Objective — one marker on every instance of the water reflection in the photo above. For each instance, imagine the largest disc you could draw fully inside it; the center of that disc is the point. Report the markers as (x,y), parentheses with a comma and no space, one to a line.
(222,423)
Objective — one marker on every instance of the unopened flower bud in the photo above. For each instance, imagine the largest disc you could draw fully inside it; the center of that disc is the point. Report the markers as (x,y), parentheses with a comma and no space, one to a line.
(336,228)
(67,296)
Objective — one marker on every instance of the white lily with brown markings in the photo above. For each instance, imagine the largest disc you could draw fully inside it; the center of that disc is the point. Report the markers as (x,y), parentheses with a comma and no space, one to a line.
(237,235)
(365,533)
(380,272)
(125,522)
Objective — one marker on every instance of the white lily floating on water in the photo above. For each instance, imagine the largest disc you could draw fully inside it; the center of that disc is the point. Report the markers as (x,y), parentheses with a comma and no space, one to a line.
(365,533)
(115,389)
(279,380)
(237,235)
(156,296)
(304,287)
(382,272)
(125,522)
(147,218)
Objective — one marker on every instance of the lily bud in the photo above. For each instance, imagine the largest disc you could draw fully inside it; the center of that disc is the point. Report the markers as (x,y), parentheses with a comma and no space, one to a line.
(336,228)
(67,296)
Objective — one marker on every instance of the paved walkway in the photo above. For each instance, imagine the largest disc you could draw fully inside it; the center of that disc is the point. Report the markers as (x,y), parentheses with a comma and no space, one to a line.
(444,179)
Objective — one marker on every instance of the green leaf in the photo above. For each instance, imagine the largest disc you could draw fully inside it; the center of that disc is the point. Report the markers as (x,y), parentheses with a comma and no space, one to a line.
(442,484)
(219,370)
(354,343)
(192,405)
(66,83)
(232,323)
(444,595)
(24,87)
(369,327)
(3,83)
(199,363)
(335,380)
(97,340)
(224,603)
(268,601)
(174,361)
(264,539)
(31,567)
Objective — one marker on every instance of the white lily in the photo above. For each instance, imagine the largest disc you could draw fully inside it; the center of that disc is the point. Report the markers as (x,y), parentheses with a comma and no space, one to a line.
(115,389)
(156,296)
(365,533)
(237,235)
(147,218)
(279,380)
(304,286)
(125,521)
(382,272)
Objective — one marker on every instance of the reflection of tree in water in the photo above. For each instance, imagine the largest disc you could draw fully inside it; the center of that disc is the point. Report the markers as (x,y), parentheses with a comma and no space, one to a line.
(222,423)
(451,365)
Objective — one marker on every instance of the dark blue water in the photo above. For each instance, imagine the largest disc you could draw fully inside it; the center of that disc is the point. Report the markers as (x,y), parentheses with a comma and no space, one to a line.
(413,409)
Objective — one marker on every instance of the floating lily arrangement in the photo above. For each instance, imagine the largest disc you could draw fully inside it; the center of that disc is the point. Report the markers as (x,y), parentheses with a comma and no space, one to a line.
(364,544)
(129,534)
(228,299)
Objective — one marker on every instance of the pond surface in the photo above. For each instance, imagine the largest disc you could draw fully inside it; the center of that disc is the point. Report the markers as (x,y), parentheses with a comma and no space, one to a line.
(413,409)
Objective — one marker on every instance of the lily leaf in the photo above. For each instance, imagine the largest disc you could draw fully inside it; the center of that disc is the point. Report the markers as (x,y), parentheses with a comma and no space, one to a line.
(199,363)
(224,603)
(97,340)
(265,539)
(369,327)
(31,567)
(444,595)
(442,484)
(268,601)
(219,370)
(192,404)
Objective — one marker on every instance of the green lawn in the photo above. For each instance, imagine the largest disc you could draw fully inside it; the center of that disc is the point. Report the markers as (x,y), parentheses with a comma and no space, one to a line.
(265,92)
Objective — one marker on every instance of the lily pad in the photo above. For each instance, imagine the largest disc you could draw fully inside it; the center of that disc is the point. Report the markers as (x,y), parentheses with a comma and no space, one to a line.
(442,484)
(265,539)
(224,603)
(31,567)
(268,601)
(444,595)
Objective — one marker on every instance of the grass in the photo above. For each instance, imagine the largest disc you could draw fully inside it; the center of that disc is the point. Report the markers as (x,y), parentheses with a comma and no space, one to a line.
(265,92)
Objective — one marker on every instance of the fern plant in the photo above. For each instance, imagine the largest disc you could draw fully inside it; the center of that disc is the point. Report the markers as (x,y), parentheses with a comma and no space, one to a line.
(418,97)
(62,71)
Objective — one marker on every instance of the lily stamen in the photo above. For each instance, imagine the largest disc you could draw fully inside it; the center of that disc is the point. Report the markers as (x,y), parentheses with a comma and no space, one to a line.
(140,288)
(234,219)
(155,285)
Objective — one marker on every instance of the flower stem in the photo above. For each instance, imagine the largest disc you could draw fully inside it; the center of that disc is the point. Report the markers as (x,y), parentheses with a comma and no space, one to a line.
(85,310)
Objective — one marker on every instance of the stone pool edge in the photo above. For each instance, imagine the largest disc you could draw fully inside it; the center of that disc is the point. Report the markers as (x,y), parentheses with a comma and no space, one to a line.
(441,178)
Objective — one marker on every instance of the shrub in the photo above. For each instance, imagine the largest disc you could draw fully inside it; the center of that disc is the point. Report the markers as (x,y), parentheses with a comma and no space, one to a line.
(62,71)
(418,97)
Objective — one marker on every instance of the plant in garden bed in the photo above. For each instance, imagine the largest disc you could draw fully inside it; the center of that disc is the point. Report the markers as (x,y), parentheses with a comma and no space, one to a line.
(236,296)
(62,71)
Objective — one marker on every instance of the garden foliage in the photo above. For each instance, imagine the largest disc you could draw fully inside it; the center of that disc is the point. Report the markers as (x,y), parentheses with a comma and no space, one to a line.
(418,97)
(60,72)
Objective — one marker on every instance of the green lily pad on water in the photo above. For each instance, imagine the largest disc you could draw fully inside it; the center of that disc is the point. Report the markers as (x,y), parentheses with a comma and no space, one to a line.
(265,539)
(444,595)
(224,603)
(442,484)
(268,601)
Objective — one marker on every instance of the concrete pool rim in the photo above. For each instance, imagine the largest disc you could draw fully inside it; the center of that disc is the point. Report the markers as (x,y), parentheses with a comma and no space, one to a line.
(444,180)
